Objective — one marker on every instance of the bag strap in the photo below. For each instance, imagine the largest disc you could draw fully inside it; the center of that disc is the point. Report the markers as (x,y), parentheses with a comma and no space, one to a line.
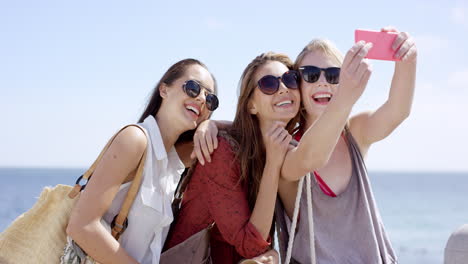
(120,222)
(310,218)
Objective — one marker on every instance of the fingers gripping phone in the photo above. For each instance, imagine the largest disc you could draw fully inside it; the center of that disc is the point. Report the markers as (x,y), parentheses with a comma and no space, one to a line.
(382,43)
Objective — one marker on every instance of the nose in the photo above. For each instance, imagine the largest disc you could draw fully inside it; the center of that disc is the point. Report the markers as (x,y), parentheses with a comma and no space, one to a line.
(201,98)
(322,80)
(282,88)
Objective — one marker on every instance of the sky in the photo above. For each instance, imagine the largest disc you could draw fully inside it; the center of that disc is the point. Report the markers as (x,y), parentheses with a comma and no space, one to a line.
(73,72)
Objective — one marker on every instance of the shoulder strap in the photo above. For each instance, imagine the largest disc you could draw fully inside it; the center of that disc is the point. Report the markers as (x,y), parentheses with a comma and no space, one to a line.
(120,222)
(310,218)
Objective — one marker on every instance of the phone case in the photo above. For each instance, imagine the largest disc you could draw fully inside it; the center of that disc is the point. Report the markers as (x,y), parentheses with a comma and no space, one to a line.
(382,43)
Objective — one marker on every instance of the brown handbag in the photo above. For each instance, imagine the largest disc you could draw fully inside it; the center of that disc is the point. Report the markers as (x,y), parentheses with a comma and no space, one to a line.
(195,249)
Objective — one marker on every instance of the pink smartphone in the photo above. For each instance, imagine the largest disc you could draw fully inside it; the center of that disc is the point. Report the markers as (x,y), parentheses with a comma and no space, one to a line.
(382,43)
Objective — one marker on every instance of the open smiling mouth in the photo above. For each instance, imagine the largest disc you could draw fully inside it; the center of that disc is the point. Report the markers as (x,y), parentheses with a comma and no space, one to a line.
(193,110)
(322,98)
(284,103)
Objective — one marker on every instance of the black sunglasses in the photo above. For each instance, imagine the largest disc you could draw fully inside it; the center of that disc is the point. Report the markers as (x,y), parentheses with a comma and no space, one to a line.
(193,88)
(311,74)
(269,84)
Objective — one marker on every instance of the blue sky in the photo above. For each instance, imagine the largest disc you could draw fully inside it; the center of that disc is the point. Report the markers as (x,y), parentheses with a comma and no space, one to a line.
(73,72)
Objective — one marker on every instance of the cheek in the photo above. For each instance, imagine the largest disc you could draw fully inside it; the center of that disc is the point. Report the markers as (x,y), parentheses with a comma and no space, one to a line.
(305,95)
(175,97)
(307,102)
(297,93)
(334,88)
(306,89)
(260,100)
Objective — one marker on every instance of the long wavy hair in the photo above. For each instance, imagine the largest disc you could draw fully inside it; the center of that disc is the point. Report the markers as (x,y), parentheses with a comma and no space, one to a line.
(246,127)
(245,136)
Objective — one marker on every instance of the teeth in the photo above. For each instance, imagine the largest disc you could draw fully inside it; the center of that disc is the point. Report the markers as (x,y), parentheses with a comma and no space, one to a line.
(284,103)
(322,96)
(195,110)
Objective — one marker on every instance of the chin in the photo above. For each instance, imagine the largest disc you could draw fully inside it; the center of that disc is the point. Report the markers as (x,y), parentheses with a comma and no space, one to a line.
(291,115)
(285,118)
(189,124)
(193,125)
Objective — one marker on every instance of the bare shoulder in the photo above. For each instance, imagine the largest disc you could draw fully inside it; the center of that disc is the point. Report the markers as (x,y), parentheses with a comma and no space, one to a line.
(131,140)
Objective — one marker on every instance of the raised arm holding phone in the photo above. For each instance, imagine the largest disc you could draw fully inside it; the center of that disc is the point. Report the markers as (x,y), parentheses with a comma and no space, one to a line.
(347,223)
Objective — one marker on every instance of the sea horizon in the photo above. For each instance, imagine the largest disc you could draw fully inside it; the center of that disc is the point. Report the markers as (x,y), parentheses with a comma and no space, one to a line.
(419,209)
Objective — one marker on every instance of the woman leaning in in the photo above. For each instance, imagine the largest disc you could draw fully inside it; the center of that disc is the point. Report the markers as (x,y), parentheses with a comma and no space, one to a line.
(237,190)
(181,100)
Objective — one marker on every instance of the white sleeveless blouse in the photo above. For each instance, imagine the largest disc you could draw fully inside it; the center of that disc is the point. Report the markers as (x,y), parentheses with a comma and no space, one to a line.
(150,216)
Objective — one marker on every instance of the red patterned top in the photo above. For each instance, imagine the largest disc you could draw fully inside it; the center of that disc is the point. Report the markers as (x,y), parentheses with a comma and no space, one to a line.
(215,194)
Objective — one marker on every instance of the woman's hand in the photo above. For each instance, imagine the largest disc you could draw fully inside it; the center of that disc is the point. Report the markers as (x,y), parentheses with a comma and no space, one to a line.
(404,46)
(205,141)
(355,72)
(269,257)
(276,141)
(370,127)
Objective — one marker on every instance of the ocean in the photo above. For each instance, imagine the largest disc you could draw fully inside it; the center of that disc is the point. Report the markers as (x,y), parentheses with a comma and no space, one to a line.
(419,209)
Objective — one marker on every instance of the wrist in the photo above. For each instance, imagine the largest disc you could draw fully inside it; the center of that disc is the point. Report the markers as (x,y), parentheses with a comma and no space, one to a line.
(273,164)
(404,66)
(342,103)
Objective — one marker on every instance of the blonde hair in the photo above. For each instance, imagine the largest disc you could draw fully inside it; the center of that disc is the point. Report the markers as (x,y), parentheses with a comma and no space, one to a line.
(324,46)
(327,48)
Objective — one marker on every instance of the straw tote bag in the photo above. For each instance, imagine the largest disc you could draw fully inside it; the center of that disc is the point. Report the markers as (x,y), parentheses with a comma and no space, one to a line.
(39,236)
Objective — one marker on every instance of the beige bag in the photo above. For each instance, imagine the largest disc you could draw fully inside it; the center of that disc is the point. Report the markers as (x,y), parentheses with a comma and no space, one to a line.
(39,236)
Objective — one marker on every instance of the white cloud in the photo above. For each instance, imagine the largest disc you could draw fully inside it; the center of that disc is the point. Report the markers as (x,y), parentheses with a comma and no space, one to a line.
(425,86)
(459,15)
(431,44)
(458,80)
(213,23)
(433,138)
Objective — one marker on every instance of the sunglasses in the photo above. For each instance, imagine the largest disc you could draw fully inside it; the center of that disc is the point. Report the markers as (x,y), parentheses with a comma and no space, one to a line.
(269,84)
(193,88)
(311,74)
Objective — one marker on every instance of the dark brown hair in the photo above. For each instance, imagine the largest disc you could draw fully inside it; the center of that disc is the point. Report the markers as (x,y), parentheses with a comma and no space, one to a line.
(245,136)
(246,128)
(175,72)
